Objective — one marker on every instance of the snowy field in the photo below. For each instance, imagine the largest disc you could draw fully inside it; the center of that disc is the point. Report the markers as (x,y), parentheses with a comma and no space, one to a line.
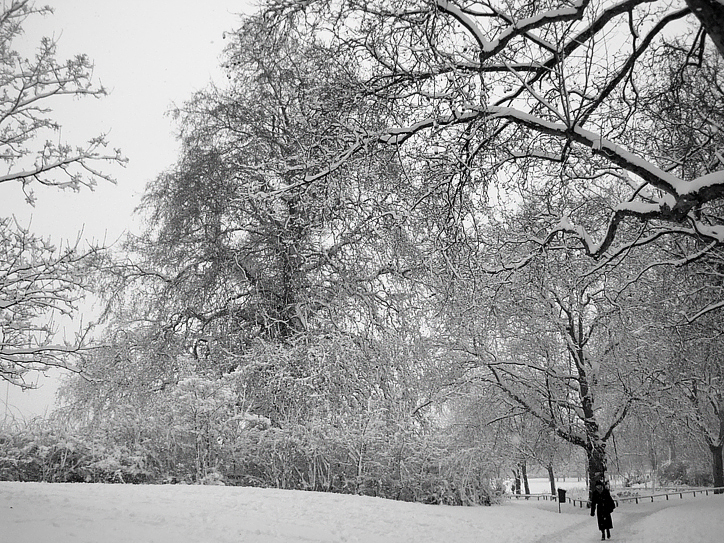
(539,485)
(93,513)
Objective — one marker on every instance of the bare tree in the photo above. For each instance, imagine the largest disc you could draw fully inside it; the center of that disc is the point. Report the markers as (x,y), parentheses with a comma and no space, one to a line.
(528,98)
(595,123)
(28,85)
(237,247)
(39,281)
(559,341)
(696,376)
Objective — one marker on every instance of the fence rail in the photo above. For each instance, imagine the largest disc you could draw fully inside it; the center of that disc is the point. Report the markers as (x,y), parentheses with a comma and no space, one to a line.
(636,499)
(536,496)
(680,493)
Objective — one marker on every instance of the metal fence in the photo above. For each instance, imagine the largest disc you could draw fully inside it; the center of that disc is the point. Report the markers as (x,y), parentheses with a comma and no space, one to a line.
(636,499)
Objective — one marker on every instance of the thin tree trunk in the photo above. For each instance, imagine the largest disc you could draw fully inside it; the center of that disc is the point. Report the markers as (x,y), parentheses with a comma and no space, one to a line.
(524,475)
(551,478)
(653,458)
(717,467)
(516,483)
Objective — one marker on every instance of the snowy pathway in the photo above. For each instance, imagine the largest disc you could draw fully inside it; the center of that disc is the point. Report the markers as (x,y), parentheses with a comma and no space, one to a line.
(682,521)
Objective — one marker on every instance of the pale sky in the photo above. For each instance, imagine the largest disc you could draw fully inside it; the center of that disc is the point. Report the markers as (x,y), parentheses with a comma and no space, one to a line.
(149,54)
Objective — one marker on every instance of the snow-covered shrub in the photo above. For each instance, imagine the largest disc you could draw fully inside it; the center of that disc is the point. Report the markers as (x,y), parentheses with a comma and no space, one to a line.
(673,472)
(699,477)
(634,478)
(14,464)
(212,477)
(117,464)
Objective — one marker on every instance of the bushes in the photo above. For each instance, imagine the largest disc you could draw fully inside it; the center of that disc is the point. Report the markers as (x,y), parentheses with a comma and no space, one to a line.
(322,457)
(699,477)
(37,455)
(297,417)
(57,456)
(361,457)
(678,472)
(673,472)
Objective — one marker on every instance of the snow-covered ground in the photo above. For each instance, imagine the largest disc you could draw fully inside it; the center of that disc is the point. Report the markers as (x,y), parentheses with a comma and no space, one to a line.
(540,485)
(93,513)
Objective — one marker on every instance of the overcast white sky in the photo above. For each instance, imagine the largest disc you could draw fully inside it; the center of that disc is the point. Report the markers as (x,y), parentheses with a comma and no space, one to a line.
(149,54)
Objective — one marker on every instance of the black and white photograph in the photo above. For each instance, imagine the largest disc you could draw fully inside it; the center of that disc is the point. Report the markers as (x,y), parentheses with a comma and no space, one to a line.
(395,271)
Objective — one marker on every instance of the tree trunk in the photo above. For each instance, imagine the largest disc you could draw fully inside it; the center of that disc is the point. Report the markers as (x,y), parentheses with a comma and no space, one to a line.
(717,467)
(360,467)
(516,479)
(711,15)
(524,475)
(596,454)
(653,459)
(552,479)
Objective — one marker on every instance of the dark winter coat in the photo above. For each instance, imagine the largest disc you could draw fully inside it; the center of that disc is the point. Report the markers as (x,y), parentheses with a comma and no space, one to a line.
(603,503)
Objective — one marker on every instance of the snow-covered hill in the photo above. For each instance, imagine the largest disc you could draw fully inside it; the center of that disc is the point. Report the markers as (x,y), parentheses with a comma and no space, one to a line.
(77,513)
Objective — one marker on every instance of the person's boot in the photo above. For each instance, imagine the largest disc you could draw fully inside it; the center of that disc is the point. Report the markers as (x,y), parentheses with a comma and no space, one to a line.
(608,533)
(603,535)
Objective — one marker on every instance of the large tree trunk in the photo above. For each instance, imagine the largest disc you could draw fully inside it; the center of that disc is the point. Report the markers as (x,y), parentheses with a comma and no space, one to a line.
(596,453)
(711,15)
(717,467)
(594,445)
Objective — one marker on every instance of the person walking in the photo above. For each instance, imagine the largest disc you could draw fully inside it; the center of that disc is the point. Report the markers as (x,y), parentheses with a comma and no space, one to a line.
(602,502)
